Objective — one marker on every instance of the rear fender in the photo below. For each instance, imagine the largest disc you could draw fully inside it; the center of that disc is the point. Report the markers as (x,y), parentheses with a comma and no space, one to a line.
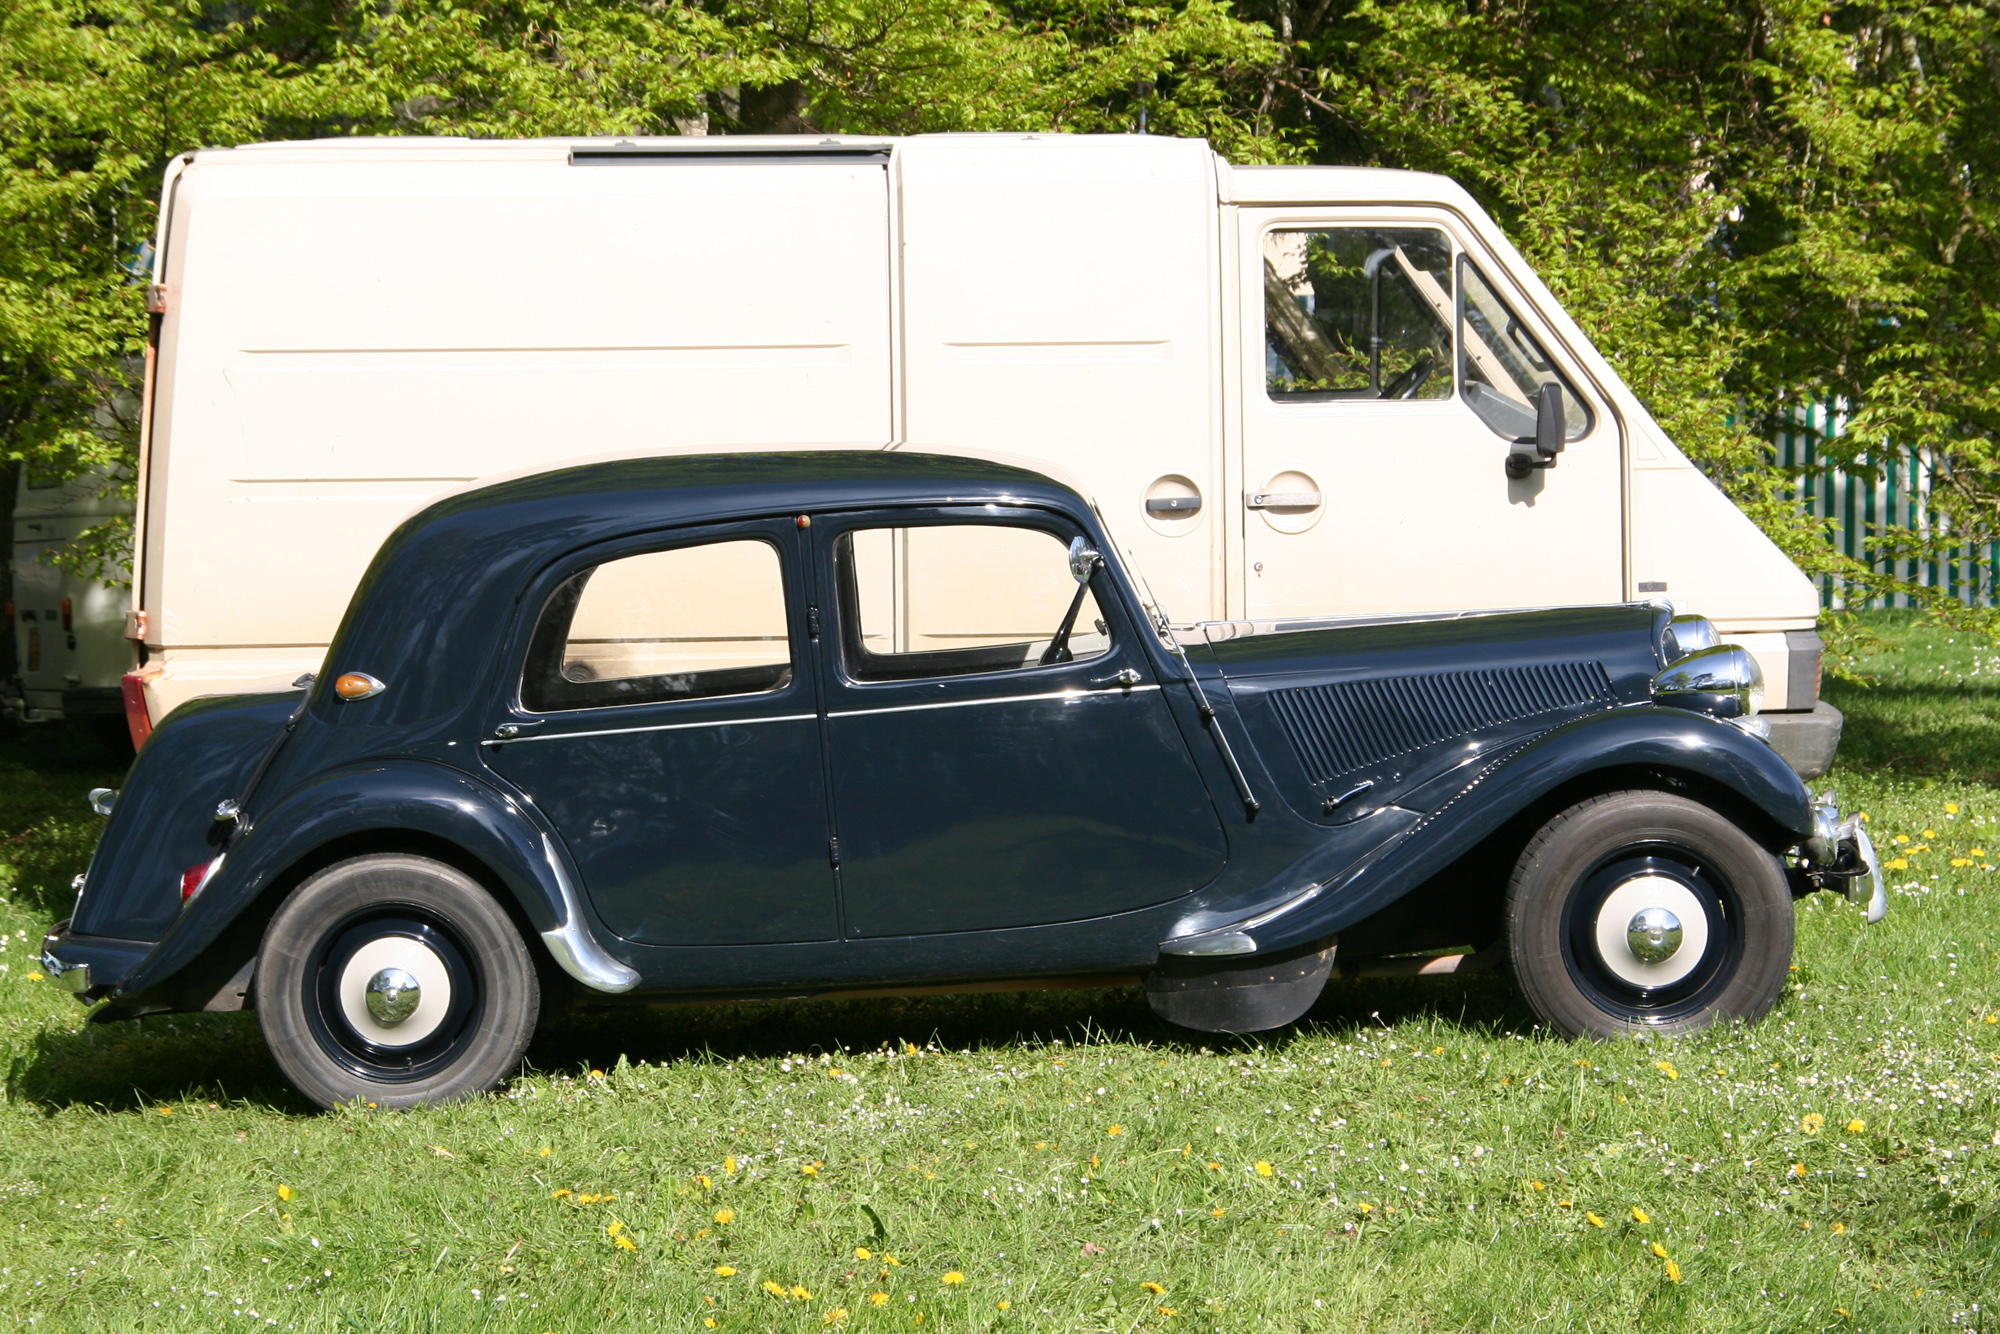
(1621,748)
(388,799)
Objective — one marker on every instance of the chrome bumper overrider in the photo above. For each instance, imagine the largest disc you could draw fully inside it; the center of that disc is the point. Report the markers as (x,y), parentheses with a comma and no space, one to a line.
(1840,856)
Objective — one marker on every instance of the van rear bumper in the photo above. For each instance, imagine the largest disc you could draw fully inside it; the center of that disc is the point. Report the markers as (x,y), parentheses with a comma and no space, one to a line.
(1806,740)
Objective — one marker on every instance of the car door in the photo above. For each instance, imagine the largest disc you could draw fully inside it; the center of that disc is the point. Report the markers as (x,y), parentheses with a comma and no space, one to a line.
(985,773)
(667,726)
(1387,374)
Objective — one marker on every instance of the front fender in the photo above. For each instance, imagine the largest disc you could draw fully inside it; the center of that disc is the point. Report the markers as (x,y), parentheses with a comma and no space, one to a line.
(394,797)
(1482,798)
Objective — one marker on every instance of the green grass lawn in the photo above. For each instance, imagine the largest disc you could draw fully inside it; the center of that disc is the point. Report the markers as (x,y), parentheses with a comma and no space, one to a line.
(1412,1156)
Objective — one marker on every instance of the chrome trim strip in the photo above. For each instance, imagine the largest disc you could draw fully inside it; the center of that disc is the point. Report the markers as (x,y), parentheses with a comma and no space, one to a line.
(572,946)
(1109,691)
(662,727)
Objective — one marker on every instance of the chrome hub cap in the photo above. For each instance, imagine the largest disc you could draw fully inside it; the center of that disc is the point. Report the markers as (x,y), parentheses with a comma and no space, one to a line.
(393,995)
(1654,934)
(394,991)
(1651,931)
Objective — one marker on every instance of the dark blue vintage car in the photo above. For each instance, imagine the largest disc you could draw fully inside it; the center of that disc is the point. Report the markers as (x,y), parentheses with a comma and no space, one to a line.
(796,724)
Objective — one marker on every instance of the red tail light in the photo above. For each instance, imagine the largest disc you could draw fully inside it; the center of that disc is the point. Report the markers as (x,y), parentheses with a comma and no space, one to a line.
(67,622)
(194,878)
(140,723)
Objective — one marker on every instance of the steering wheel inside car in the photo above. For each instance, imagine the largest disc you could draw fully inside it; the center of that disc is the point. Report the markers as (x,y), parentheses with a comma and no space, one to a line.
(1410,381)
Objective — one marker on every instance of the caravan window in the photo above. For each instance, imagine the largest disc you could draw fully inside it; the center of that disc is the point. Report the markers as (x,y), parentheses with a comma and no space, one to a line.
(689,623)
(957,599)
(1357,312)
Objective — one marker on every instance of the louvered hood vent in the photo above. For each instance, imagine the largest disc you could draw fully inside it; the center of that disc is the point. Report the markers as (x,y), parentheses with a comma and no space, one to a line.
(1337,729)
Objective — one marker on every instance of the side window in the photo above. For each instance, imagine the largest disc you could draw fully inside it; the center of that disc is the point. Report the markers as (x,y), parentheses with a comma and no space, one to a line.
(689,623)
(1504,368)
(955,599)
(1357,312)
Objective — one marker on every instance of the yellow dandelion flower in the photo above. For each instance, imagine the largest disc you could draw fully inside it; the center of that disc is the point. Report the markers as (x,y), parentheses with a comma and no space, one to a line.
(1093,1162)
(729,1164)
(1041,1144)
(892,1260)
(1991,1019)
(952,1278)
(1114,1130)
(863,1253)
(1805,1225)
(625,1243)
(1536,1185)
(545,1151)
(910,1049)
(1639,1215)
(1592,1218)
(1167,1310)
(597,1074)
(1856,1126)
(799,1291)
(878,1299)
(1215,1167)
(1961,861)
(725,1216)
(1930,833)
(615,1228)
(1003,1305)
(1951,808)
(1811,1123)
(708,1321)
(1437,1051)
(1978,852)
(560,1193)
(1667,1068)
(34,975)
(1900,838)
(775,1289)
(836,1316)
(1896,864)
(1217,1213)
(1673,1272)
(1385,1063)
(284,1192)
(811,1169)
(1839,1229)
(727,1271)
(1798,1169)
(1659,1250)
(166,1111)
(1264,1169)
(1585,1064)
(1365,1207)
(707,1182)
(1156,1289)
(1565,1204)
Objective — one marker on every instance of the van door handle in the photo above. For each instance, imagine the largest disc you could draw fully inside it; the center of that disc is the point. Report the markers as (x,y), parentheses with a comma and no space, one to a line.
(1270,500)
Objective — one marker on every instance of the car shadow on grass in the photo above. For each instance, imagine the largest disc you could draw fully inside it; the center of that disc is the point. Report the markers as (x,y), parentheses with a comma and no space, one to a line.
(146,1064)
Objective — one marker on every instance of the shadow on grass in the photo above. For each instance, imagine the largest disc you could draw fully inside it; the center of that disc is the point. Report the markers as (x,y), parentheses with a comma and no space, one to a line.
(1920,729)
(46,830)
(168,1059)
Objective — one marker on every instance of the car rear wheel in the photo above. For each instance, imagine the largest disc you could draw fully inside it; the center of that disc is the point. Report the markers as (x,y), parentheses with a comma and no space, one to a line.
(1647,912)
(394,980)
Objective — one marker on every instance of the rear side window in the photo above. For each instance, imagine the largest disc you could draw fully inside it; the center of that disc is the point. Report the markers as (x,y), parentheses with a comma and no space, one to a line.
(958,599)
(690,623)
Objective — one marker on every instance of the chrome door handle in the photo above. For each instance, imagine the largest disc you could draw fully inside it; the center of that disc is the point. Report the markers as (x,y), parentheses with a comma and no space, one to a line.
(1124,680)
(1266,500)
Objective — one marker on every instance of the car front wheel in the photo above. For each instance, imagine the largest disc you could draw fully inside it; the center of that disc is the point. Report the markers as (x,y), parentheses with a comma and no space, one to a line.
(1647,912)
(394,980)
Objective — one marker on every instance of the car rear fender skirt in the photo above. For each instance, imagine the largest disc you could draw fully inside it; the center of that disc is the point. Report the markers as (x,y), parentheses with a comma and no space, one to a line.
(1222,995)
(1642,743)
(390,798)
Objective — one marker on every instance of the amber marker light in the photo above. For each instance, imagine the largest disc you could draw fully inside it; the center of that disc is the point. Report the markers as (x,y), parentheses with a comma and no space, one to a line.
(357,685)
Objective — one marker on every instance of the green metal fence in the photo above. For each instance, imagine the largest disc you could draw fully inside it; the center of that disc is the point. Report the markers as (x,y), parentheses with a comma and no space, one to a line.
(1892,490)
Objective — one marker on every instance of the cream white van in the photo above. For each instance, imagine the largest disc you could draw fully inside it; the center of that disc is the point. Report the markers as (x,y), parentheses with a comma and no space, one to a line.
(66,626)
(1293,391)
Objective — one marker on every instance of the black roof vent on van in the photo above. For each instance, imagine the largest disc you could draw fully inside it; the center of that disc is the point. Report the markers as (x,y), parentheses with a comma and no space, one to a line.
(720,151)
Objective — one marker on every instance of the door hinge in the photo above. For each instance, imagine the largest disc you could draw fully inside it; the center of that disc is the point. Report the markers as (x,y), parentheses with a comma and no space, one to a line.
(812,620)
(833,852)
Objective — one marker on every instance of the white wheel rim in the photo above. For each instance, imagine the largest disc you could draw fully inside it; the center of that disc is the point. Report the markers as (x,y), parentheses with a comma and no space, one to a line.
(414,958)
(1614,920)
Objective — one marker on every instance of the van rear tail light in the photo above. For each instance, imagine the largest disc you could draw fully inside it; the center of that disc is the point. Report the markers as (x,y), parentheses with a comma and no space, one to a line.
(68,620)
(137,720)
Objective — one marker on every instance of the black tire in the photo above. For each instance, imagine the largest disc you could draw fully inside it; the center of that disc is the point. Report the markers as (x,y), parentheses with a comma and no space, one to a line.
(1582,879)
(358,919)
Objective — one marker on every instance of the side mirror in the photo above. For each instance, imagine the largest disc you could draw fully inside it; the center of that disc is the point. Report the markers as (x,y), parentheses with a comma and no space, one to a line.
(1083,559)
(1550,430)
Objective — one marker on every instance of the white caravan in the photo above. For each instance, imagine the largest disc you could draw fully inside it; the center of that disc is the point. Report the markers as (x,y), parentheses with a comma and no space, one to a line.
(1292,391)
(66,626)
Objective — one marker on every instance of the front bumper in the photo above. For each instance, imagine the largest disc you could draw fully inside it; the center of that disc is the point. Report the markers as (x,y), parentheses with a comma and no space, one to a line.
(89,967)
(1806,740)
(1840,856)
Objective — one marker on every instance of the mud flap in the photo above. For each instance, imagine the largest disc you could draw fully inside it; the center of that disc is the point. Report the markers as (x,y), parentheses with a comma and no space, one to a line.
(1238,995)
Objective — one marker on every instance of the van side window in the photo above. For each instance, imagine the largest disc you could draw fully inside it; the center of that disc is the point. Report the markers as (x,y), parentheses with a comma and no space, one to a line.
(688,623)
(1504,368)
(1357,312)
(957,599)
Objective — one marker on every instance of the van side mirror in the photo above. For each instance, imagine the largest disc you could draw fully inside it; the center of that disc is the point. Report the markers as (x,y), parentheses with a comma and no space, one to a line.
(1550,430)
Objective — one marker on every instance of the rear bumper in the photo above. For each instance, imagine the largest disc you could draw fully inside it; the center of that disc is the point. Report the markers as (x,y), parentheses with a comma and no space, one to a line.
(89,967)
(1807,741)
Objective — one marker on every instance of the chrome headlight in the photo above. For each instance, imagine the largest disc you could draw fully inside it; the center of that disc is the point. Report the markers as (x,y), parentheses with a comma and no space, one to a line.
(1722,680)
(1687,634)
